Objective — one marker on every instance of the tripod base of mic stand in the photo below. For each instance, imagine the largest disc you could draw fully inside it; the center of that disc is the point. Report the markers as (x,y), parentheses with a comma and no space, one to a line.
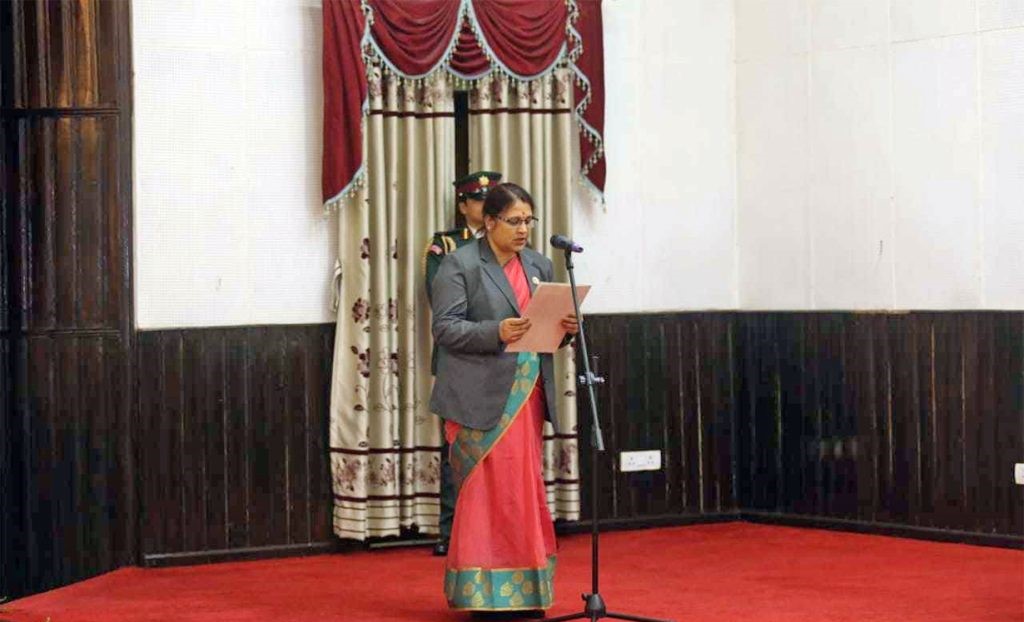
(595,610)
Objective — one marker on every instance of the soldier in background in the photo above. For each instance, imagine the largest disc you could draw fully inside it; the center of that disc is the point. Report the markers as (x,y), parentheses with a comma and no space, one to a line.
(470,192)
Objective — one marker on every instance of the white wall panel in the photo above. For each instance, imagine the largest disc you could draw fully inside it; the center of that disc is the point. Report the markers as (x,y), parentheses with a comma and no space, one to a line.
(997,14)
(1002,148)
(838,24)
(229,229)
(772,172)
(771,28)
(774,258)
(665,239)
(935,154)
(921,19)
(850,180)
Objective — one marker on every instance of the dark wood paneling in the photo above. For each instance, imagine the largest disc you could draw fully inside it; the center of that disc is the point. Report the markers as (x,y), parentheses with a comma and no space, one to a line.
(234,429)
(69,483)
(909,422)
(6,390)
(903,419)
(67,214)
(72,509)
(64,54)
(825,419)
(670,386)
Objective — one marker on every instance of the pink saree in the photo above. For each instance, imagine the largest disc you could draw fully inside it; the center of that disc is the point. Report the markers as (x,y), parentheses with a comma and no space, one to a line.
(502,550)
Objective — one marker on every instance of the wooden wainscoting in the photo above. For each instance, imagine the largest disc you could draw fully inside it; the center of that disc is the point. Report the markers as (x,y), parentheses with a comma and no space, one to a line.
(898,423)
(671,386)
(233,450)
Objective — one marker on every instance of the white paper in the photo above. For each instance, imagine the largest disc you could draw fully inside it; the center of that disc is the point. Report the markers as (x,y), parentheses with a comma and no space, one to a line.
(549,304)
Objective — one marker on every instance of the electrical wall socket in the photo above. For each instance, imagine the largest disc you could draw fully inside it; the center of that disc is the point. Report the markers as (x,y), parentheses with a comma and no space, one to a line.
(1018,473)
(631,461)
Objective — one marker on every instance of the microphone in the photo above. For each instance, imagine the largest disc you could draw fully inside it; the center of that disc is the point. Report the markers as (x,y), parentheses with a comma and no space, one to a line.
(564,243)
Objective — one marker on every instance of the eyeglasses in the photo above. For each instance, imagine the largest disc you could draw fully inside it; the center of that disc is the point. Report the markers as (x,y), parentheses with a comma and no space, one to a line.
(529,221)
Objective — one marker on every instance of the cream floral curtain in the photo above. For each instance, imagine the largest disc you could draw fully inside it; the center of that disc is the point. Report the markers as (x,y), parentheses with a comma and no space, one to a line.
(385,444)
(526,131)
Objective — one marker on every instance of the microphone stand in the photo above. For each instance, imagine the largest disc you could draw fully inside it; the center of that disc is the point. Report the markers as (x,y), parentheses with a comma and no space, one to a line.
(595,608)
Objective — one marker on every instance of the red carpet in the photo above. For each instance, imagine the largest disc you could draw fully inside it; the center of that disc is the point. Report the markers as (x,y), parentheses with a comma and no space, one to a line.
(730,572)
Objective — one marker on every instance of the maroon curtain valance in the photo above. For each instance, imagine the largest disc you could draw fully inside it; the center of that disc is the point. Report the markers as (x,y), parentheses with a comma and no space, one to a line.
(469,39)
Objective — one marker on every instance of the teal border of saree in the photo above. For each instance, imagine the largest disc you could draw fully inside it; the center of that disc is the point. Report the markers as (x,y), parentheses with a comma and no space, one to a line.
(497,589)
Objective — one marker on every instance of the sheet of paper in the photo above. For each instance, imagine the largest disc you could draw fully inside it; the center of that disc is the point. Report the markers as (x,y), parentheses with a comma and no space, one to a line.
(549,304)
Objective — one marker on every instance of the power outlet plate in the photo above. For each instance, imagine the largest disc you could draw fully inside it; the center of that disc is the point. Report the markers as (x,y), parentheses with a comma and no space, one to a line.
(633,461)
(1018,473)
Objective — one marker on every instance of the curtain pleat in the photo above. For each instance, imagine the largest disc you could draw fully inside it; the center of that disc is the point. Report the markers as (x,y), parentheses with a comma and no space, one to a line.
(385,444)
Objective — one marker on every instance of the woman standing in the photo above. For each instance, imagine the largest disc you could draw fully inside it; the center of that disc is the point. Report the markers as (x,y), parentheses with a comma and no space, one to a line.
(502,551)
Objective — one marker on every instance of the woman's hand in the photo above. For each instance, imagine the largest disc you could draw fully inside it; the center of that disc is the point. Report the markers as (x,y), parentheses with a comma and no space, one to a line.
(571,324)
(511,329)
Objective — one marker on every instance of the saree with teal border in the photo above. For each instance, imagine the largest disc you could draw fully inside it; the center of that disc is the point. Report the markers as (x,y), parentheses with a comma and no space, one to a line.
(502,551)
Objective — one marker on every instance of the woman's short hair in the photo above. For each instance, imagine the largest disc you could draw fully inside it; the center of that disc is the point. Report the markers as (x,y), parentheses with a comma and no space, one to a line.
(500,197)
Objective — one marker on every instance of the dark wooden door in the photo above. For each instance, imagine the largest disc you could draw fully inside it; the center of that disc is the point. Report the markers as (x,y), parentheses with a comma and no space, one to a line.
(66,325)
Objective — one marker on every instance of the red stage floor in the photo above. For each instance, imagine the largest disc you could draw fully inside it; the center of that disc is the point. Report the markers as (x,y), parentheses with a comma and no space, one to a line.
(730,572)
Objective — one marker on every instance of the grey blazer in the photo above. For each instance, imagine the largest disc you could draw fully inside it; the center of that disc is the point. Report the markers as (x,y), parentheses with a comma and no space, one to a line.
(470,297)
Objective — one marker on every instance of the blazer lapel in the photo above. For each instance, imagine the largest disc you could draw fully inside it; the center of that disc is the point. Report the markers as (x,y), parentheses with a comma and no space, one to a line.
(532,273)
(496,273)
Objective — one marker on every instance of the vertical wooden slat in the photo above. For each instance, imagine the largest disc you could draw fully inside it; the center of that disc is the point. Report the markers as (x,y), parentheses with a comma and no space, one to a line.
(707,396)
(904,413)
(89,239)
(172,435)
(114,258)
(791,455)
(124,502)
(110,43)
(147,411)
(673,431)
(193,441)
(766,447)
(654,409)
(970,417)
(629,419)
(60,45)
(7,499)
(258,430)
(885,441)
(928,462)
(279,420)
(41,228)
(1014,429)
(7,527)
(66,275)
(862,396)
(295,417)
(718,361)
(318,432)
(85,82)
(239,458)
(690,381)
(745,405)
(43,494)
(212,400)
